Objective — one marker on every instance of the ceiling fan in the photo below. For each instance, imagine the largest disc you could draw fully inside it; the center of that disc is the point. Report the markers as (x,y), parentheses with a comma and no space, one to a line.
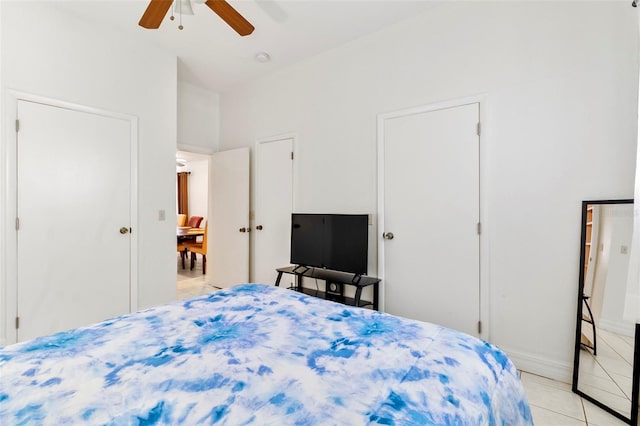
(157,9)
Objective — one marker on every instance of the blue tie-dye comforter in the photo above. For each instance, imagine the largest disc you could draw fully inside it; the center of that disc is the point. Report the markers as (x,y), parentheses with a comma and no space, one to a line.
(256,354)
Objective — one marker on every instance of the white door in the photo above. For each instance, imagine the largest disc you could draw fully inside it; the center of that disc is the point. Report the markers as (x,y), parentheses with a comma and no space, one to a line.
(431,206)
(73,198)
(274,203)
(228,232)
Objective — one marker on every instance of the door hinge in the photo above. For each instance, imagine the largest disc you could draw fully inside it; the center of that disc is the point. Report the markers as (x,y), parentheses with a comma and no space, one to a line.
(17,126)
(479,327)
(17,322)
(292,155)
(17,223)
(479,228)
(478,129)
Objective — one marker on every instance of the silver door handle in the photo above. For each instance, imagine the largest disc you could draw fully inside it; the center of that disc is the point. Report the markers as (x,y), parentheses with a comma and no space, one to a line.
(387,235)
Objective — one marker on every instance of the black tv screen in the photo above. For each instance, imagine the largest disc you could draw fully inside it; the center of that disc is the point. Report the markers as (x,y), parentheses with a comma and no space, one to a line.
(332,241)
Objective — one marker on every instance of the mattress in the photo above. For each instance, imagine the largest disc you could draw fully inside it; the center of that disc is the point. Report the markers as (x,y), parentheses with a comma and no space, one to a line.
(258,354)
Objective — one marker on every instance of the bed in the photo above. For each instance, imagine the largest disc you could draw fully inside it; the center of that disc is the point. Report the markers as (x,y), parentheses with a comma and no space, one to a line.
(258,354)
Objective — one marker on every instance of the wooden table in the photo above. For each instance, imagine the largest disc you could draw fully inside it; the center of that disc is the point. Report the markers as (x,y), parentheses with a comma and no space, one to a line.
(185,231)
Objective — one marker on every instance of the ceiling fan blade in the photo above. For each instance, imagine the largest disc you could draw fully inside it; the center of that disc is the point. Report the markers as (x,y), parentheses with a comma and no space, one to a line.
(230,16)
(153,16)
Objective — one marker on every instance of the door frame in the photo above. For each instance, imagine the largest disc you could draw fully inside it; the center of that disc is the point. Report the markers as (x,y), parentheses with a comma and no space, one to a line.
(484,273)
(254,186)
(9,283)
(206,153)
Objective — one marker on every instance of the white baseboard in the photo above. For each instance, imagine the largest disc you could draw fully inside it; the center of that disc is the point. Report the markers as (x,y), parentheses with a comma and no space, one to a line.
(619,327)
(540,366)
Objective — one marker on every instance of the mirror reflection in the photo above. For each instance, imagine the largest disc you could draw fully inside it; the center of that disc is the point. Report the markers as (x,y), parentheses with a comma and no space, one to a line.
(605,344)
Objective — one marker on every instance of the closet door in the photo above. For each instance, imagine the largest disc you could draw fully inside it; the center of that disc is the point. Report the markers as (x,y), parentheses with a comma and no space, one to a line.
(74,211)
(274,203)
(430,200)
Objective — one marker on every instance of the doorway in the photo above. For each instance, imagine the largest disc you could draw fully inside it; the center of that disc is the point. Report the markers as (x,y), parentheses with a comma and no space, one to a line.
(429,214)
(194,167)
(74,208)
(227,222)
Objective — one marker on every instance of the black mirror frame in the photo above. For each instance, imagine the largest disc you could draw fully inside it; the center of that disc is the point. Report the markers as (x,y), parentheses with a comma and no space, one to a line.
(633,419)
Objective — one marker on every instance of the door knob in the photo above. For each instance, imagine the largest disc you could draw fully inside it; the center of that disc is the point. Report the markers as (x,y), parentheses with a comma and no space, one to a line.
(243,229)
(387,235)
(259,227)
(124,230)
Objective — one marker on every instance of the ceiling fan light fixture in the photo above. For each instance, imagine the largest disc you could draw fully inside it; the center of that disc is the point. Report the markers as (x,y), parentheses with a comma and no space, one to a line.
(182,7)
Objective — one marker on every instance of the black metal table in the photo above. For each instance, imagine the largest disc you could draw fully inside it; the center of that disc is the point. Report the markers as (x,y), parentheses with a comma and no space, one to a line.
(335,282)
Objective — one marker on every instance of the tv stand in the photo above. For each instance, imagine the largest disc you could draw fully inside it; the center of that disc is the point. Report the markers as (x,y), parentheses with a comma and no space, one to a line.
(297,269)
(339,279)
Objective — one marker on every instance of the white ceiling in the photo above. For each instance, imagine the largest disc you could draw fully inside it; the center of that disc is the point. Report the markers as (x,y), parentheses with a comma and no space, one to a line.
(213,56)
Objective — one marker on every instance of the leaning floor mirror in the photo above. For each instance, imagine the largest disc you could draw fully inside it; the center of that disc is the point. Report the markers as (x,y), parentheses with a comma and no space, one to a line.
(606,344)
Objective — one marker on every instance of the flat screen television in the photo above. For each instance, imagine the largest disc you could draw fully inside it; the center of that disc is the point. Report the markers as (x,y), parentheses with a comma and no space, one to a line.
(331,241)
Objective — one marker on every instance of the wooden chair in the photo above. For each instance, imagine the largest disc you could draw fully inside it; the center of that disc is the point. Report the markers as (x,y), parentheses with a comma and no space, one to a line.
(201,248)
(194,221)
(181,220)
(182,249)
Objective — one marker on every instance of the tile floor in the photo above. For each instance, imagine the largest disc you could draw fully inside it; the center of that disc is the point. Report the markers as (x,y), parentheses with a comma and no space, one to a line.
(606,377)
(552,402)
(192,283)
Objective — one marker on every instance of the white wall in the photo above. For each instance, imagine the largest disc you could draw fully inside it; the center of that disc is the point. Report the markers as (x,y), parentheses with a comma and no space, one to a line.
(561,84)
(198,119)
(618,243)
(52,54)
(3,184)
